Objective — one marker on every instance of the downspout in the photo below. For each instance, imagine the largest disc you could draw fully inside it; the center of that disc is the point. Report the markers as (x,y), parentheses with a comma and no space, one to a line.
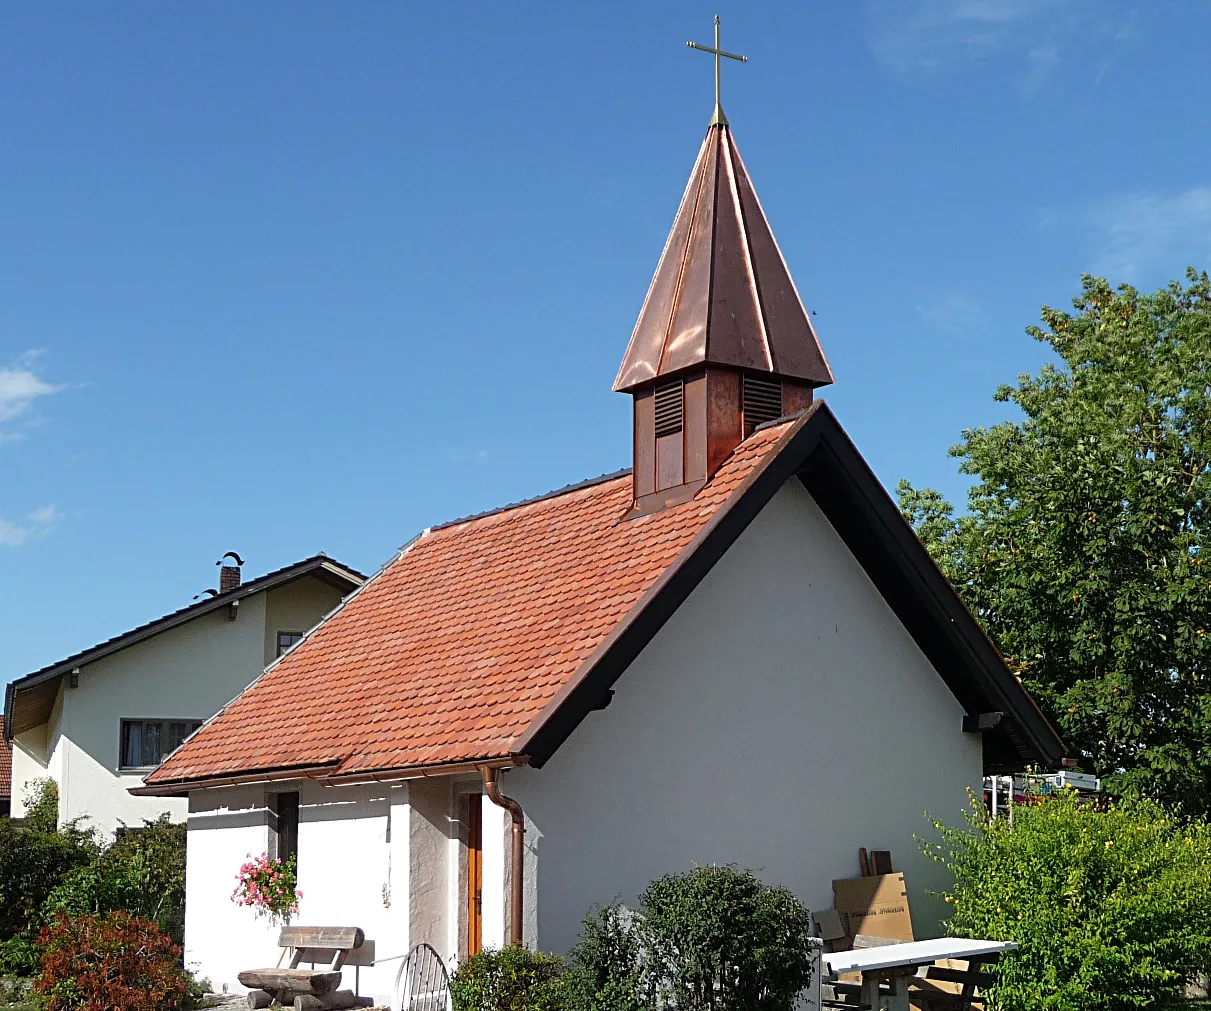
(517,850)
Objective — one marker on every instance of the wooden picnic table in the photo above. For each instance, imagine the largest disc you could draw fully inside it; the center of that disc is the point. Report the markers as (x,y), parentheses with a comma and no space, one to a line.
(896,963)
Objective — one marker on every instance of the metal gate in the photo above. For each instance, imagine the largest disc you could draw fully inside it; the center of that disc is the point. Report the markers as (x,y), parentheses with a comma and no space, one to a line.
(422,983)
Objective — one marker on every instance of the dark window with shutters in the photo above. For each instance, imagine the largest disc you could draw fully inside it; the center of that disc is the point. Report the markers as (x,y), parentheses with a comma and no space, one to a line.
(762,402)
(283,825)
(670,408)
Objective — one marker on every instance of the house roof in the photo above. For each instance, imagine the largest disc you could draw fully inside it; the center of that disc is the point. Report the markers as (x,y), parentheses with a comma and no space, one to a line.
(722,293)
(6,769)
(28,700)
(489,639)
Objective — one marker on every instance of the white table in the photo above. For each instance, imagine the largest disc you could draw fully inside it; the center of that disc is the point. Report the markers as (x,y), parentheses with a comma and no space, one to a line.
(896,962)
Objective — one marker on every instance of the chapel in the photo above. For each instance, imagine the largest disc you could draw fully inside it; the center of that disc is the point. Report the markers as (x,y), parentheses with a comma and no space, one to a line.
(736,651)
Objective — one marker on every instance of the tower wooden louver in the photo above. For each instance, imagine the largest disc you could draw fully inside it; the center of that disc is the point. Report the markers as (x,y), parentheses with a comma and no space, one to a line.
(723,342)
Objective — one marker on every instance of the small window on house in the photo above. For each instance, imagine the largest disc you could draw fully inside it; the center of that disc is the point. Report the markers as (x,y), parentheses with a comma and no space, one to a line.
(147,743)
(283,825)
(670,408)
(762,400)
(288,639)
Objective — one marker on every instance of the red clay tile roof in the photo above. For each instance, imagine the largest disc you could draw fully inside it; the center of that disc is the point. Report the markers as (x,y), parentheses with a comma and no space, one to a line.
(450,653)
(6,768)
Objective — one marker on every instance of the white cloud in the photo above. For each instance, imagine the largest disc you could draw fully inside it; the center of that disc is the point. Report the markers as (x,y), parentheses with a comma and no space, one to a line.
(924,35)
(473,456)
(36,524)
(20,386)
(1135,234)
(954,314)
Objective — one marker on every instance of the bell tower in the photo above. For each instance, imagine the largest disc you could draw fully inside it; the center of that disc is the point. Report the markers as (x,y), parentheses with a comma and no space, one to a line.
(723,342)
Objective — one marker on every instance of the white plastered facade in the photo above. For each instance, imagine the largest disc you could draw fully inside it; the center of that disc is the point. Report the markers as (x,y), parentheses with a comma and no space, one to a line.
(185,673)
(780,719)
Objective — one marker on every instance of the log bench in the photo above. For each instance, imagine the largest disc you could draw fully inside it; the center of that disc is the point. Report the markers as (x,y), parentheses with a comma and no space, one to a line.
(310,989)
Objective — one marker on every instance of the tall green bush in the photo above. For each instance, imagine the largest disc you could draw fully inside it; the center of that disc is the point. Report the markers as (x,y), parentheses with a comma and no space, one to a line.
(35,855)
(142,872)
(1110,905)
(717,939)
(608,966)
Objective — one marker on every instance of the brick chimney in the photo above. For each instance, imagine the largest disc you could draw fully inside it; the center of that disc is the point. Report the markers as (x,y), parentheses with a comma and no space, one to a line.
(229,575)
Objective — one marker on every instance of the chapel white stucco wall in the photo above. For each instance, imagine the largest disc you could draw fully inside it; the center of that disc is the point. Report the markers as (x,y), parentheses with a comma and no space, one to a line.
(375,857)
(225,828)
(782,718)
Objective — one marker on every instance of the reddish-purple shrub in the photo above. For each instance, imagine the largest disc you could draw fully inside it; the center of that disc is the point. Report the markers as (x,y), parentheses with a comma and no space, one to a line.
(101,963)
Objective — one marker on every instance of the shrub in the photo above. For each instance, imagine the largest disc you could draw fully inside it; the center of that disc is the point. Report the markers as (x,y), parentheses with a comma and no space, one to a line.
(607,967)
(93,963)
(1111,906)
(511,979)
(32,862)
(143,872)
(19,956)
(41,798)
(717,938)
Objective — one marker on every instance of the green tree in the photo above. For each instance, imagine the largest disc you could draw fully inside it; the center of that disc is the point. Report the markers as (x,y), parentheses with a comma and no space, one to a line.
(1082,547)
(1110,905)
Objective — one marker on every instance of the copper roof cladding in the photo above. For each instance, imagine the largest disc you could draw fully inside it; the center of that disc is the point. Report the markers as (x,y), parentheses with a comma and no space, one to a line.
(722,293)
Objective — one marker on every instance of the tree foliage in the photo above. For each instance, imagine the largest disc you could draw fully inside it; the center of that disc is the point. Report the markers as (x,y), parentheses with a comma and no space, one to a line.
(1111,906)
(1082,547)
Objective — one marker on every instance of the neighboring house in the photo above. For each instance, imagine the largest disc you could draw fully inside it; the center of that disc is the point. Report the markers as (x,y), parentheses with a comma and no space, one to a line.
(6,777)
(736,652)
(100,720)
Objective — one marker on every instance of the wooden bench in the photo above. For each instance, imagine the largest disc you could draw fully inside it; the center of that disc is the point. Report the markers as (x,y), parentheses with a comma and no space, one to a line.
(311,989)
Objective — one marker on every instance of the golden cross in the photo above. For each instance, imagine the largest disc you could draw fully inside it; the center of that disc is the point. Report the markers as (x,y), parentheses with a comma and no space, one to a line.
(718,117)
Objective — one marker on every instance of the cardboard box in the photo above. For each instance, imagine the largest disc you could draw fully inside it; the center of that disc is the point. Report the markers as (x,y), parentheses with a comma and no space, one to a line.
(876,906)
(829,924)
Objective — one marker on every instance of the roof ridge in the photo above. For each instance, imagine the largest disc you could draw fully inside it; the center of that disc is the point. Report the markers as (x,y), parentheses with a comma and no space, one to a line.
(565,490)
(244,589)
(783,420)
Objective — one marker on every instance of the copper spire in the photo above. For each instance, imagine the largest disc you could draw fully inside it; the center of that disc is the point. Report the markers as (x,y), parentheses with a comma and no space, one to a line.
(722,294)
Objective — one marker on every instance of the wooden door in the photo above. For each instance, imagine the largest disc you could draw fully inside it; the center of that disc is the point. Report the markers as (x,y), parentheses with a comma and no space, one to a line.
(475,874)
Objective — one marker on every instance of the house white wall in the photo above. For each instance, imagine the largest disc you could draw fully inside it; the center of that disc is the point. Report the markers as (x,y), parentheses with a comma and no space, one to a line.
(782,718)
(186,673)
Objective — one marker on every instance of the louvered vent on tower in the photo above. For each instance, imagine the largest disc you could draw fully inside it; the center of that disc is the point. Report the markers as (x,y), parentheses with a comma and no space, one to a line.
(762,402)
(670,408)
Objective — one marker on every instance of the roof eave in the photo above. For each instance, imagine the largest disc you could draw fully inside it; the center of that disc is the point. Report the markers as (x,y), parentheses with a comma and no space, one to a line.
(326,775)
(319,566)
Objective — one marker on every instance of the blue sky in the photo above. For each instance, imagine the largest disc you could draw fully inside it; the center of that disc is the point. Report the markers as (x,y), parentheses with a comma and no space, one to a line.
(282,278)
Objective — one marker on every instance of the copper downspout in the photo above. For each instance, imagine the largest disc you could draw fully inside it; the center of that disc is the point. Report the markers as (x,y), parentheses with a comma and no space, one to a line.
(517,850)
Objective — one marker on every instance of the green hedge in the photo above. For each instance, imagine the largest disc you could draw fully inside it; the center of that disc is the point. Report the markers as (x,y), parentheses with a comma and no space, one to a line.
(1111,905)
